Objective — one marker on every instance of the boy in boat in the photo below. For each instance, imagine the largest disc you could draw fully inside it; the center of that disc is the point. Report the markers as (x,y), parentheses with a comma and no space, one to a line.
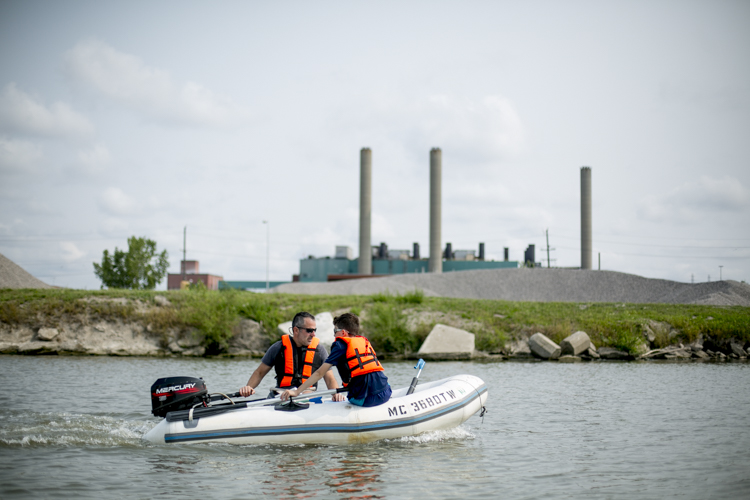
(295,357)
(357,363)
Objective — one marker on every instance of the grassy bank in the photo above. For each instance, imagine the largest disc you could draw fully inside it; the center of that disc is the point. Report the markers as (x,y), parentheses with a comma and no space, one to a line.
(395,324)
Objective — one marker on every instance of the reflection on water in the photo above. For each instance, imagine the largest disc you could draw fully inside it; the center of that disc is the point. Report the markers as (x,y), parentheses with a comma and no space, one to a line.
(356,475)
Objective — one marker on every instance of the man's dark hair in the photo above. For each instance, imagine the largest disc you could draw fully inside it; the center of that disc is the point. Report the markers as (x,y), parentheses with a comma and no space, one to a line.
(299,319)
(348,322)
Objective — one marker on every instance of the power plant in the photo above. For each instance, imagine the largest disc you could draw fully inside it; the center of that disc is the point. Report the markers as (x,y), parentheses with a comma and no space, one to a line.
(378,260)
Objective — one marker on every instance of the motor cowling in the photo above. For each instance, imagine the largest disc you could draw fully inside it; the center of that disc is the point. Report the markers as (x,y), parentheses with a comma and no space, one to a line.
(176,393)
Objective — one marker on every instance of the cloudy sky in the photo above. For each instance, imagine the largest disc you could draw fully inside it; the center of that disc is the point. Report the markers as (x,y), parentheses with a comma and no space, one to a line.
(142,118)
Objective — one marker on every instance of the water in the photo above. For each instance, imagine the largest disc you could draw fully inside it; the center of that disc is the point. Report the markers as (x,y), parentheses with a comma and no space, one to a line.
(72,427)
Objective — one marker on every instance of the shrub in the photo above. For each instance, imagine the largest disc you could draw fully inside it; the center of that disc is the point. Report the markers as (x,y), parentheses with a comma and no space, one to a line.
(385,326)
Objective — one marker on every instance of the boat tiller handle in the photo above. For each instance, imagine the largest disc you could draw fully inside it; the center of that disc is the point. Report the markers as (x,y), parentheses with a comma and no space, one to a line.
(415,380)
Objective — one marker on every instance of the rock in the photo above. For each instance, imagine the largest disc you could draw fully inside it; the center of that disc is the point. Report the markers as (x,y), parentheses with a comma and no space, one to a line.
(8,348)
(162,301)
(285,328)
(569,359)
(700,355)
(543,347)
(575,344)
(324,324)
(446,339)
(519,348)
(748,350)
(37,348)
(612,353)
(176,349)
(592,352)
(737,349)
(641,349)
(47,334)
(191,339)
(248,339)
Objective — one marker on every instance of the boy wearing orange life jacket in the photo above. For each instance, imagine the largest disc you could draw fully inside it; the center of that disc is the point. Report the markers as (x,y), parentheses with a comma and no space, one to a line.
(357,363)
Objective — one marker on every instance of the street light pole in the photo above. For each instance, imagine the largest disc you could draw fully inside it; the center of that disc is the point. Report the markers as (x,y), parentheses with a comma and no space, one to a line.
(268,249)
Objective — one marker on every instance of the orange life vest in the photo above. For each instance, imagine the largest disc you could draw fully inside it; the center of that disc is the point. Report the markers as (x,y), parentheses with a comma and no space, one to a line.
(289,373)
(360,357)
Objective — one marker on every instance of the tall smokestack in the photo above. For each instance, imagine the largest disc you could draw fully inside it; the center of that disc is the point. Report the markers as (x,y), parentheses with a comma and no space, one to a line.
(364,264)
(585,217)
(435,264)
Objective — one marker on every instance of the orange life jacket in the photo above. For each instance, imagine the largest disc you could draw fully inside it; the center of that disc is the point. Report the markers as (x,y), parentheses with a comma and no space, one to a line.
(360,357)
(289,374)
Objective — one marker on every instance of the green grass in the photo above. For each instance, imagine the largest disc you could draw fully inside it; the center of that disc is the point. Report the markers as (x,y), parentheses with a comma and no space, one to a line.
(214,314)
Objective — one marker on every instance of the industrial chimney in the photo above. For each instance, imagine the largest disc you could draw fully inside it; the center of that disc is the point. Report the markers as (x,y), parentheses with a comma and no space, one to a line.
(364,264)
(585,217)
(435,264)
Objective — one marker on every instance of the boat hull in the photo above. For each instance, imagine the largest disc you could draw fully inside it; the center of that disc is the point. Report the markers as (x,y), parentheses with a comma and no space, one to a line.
(438,405)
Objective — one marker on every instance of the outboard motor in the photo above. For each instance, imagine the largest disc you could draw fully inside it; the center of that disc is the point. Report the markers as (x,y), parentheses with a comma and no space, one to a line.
(177,393)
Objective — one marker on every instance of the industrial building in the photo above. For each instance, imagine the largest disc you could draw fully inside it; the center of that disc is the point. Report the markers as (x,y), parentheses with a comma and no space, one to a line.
(189,274)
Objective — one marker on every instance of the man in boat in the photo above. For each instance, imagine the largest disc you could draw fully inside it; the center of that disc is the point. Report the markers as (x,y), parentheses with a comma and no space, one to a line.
(357,363)
(295,357)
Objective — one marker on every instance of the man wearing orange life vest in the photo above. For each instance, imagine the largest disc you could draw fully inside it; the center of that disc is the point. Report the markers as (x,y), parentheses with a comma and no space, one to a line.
(295,357)
(357,363)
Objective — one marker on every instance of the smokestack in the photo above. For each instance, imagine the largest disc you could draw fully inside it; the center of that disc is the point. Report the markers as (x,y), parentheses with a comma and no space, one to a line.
(506,251)
(585,217)
(481,251)
(415,251)
(435,264)
(448,254)
(364,264)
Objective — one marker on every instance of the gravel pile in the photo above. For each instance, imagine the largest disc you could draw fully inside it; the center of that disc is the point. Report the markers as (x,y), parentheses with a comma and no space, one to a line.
(538,285)
(12,276)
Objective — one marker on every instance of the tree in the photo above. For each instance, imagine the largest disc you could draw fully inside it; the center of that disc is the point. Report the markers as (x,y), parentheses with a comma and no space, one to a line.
(138,268)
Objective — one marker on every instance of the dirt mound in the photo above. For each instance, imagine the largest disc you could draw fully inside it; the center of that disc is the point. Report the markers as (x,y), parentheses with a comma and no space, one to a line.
(13,276)
(538,285)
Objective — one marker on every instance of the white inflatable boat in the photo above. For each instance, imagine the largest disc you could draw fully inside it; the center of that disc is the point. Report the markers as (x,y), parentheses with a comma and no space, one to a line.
(438,405)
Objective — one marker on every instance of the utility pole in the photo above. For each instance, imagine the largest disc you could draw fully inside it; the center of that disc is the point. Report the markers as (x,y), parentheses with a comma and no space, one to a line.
(600,261)
(720,273)
(268,249)
(184,253)
(546,233)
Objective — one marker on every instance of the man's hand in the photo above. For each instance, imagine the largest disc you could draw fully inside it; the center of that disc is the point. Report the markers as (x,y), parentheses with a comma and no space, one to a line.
(290,393)
(246,391)
(338,397)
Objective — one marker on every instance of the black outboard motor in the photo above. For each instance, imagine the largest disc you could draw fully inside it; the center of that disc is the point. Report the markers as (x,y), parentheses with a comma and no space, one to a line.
(177,393)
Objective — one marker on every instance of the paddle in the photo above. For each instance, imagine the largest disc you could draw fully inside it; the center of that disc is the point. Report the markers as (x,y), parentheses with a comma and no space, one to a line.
(420,365)
(213,410)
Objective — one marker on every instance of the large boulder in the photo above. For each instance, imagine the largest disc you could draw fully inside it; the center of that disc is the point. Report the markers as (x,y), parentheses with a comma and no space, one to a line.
(46,334)
(446,340)
(248,338)
(575,344)
(543,347)
(324,323)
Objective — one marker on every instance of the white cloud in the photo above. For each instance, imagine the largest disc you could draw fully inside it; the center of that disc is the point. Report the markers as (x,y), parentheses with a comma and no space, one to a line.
(696,198)
(94,160)
(18,155)
(115,202)
(22,113)
(474,131)
(71,251)
(127,79)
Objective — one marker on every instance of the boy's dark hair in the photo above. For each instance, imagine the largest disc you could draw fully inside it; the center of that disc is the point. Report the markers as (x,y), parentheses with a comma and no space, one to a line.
(348,322)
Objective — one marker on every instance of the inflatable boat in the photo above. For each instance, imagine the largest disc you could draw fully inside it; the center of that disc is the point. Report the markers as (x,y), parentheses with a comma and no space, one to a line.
(310,419)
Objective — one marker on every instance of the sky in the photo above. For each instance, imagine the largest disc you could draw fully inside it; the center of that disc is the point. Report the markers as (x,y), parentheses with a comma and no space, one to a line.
(144,118)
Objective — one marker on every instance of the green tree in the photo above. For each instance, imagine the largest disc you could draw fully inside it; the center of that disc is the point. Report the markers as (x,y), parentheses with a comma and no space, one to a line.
(138,268)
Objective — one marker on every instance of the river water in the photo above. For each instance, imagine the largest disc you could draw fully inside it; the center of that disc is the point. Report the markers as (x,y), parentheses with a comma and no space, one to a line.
(72,427)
